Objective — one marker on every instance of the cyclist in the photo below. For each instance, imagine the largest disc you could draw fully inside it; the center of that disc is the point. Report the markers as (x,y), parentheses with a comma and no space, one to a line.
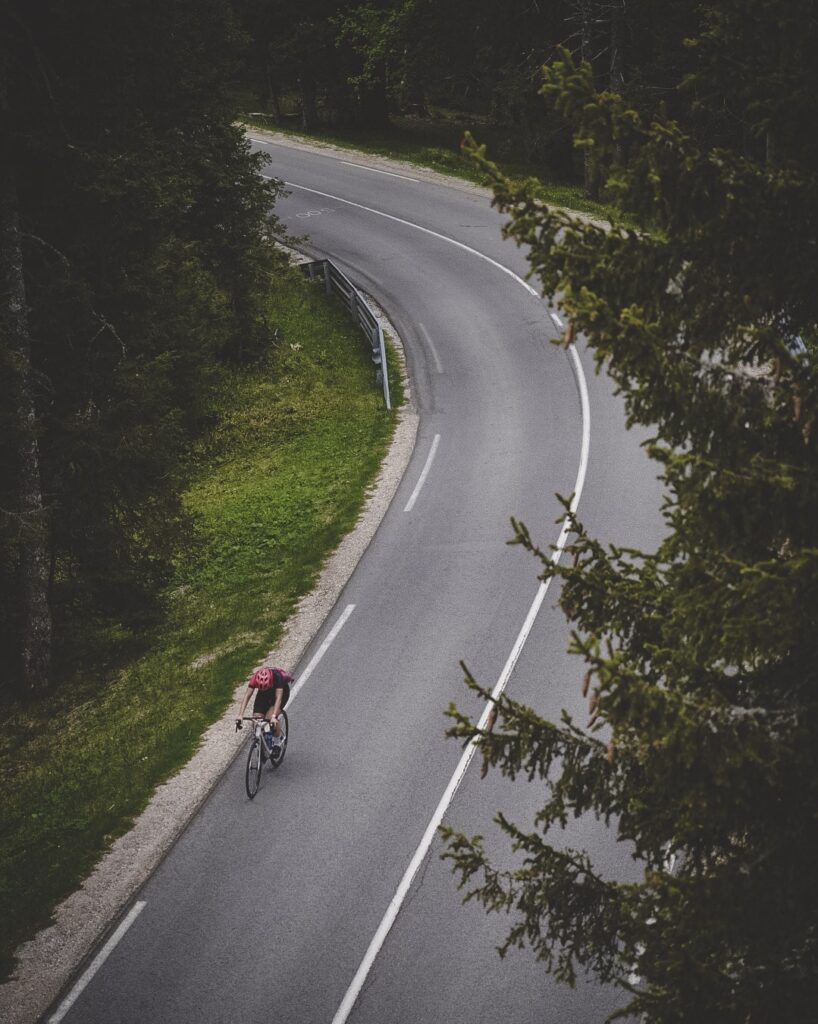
(272,688)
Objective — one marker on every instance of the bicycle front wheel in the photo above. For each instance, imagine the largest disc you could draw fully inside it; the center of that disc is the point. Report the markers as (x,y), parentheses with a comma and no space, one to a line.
(277,755)
(252,776)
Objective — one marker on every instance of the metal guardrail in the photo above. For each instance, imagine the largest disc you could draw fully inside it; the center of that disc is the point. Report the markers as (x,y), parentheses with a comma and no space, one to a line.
(335,281)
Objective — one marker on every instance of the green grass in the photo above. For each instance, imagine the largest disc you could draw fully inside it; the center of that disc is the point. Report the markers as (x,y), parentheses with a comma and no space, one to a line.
(436,144)
(276,485)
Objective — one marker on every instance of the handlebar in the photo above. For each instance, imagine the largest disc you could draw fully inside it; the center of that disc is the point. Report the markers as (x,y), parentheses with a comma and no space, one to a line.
(248,718)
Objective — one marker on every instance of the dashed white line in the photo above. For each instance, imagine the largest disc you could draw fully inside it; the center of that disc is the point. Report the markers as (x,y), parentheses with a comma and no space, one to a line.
(96,963)
(377,170)
(431,346)
(556,319)
(139,906)
(410,504)
(420,853)
(322,650)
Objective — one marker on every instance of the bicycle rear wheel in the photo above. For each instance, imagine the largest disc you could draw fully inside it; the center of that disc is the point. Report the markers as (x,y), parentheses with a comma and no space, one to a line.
(255,762)
(277,755)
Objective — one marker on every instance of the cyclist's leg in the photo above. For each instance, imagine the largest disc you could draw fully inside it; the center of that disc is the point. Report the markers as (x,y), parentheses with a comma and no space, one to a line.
(263,707)
(284,698)
(280,741)
(263,704)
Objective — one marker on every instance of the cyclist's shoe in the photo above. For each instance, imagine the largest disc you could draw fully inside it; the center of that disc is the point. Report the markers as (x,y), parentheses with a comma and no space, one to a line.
(269,741)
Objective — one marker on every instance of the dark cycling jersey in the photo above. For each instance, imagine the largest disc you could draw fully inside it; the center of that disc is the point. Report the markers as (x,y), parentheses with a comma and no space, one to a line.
(280,678)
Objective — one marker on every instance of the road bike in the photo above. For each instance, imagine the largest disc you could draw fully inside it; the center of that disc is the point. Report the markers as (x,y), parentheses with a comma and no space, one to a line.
(258,752)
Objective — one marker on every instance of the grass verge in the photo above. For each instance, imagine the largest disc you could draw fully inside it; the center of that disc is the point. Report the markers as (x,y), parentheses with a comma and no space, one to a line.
(275,486)
(436,145)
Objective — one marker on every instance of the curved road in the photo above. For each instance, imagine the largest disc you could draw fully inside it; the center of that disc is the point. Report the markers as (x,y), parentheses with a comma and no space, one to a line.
(266,910)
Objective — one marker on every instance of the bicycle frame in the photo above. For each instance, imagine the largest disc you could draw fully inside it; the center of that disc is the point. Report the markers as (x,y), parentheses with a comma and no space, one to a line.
(258,752)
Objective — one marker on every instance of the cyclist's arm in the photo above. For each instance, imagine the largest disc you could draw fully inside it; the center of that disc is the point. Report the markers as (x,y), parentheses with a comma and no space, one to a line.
(246,701)
(279,698)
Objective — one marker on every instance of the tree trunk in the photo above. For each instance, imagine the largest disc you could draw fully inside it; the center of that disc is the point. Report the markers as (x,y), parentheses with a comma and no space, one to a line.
(14,335)
(272,92)
(586,54)
(309,109)
(617,81)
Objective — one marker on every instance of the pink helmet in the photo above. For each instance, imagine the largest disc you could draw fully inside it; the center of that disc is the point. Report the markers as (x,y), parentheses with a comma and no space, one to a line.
(262,678)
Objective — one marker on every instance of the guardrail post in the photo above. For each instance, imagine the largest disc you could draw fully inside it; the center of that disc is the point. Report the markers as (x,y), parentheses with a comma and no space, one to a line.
(384,375)
(327,277)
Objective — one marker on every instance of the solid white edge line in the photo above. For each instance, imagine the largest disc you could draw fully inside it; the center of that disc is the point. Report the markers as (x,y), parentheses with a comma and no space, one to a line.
(393,909)
(585,447)
(322,650)
(417,227)
(410,504)
(432,348)
(96,963)
(378,170)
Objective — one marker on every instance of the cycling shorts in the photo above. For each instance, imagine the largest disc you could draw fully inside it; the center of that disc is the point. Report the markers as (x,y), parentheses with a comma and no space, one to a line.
(265,699)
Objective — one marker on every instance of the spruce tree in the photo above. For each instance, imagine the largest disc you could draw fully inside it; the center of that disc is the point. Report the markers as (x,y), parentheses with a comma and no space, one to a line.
(701,749)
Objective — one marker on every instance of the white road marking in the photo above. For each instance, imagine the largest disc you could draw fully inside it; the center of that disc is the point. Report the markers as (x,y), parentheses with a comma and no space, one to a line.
(139,906)
(417,227)
(322,650)
(428,231)
(377,170)
(410,504)
(96,963)
(348,163)
(393,909)
(432,348)
(391,914)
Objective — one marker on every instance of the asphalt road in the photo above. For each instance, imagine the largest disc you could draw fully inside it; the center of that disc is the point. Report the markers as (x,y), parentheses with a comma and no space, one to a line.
(265,910)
